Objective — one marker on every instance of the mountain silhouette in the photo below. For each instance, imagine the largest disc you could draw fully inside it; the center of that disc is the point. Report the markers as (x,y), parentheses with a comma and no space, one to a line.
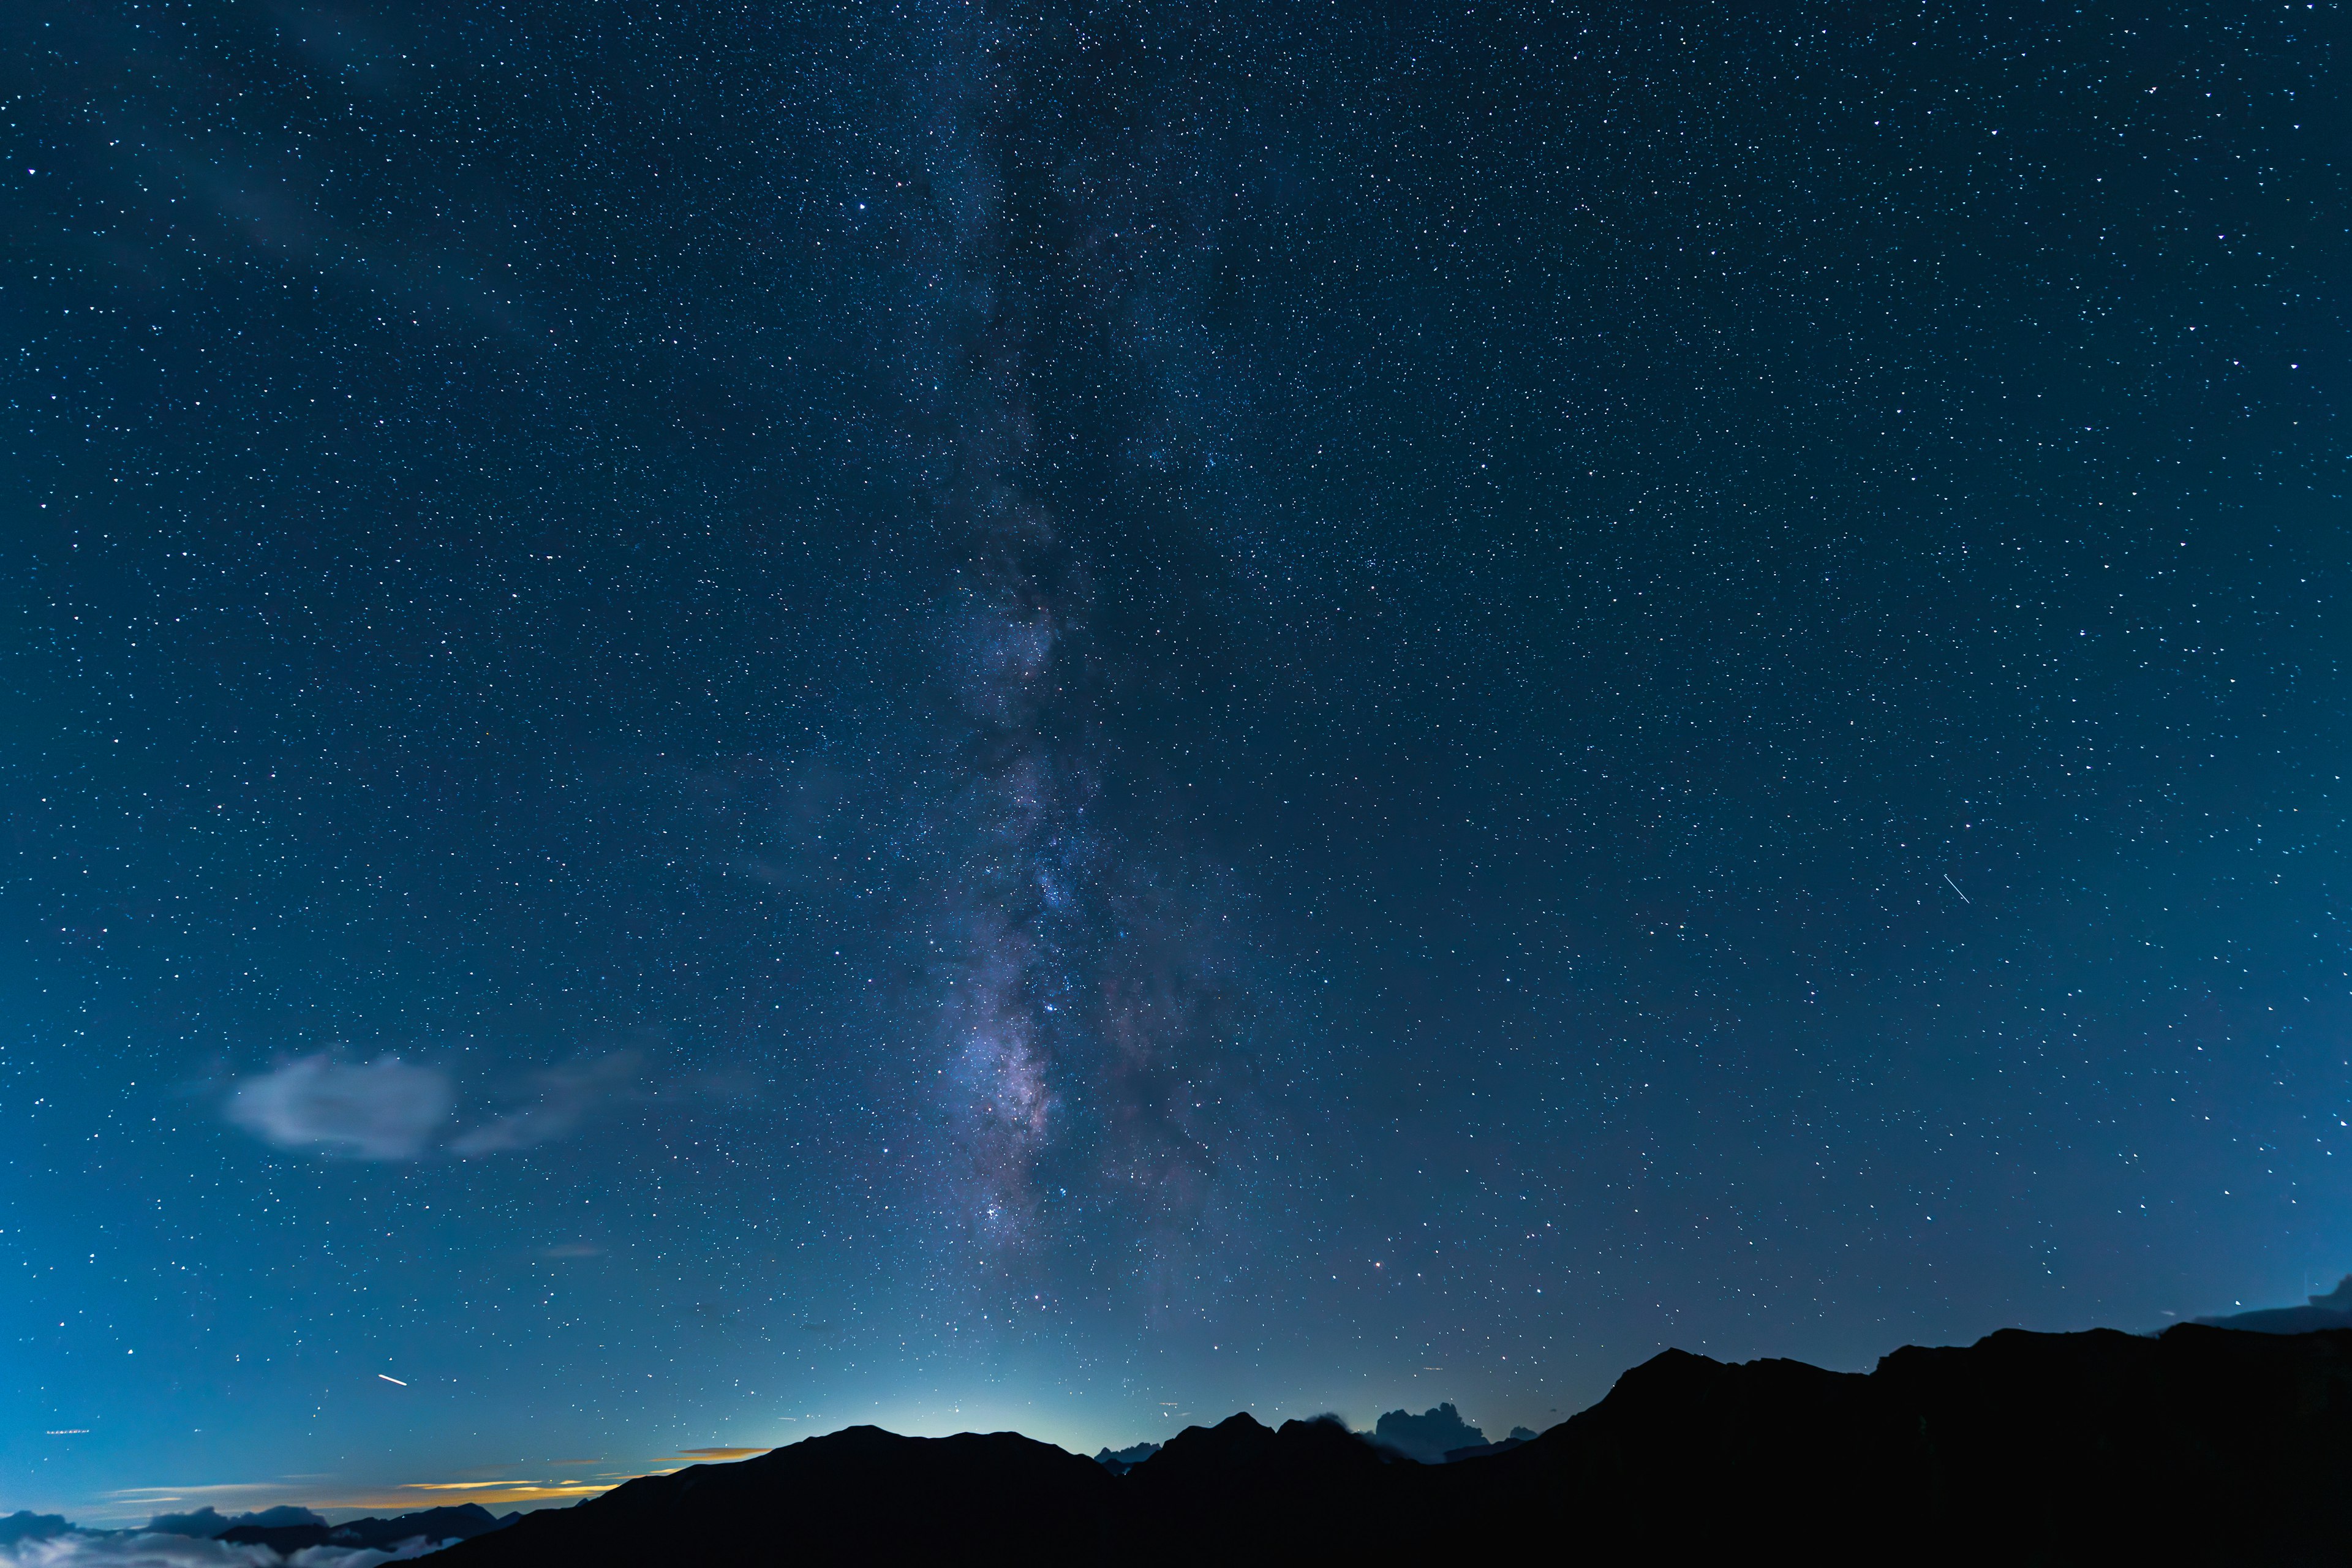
(862,1495)
(457,1522)
(283,1538)
(2204,1445)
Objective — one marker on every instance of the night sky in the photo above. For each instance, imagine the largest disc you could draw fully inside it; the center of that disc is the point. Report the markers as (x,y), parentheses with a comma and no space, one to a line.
(728,719)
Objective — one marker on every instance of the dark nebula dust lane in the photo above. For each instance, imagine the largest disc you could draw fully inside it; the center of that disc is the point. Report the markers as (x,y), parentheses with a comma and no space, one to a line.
(726,720)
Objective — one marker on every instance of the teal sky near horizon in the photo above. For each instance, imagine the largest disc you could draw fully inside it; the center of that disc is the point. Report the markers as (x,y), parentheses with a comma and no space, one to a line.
(724,720)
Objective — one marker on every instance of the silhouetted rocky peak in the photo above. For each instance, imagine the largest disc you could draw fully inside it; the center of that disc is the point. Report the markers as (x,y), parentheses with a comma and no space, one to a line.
(1432,1436)
(1120,1461)
(1238,1442)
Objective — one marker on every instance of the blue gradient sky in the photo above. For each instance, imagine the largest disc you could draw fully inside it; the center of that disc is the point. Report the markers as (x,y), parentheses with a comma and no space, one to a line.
(730,719)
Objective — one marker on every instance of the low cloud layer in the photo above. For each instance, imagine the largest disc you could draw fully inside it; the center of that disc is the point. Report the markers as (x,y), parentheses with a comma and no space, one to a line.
(393,1109)
(148,1550)
(25,1525)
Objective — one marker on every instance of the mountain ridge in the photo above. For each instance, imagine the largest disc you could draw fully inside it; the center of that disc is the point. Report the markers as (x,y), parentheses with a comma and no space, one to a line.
(2033,1448)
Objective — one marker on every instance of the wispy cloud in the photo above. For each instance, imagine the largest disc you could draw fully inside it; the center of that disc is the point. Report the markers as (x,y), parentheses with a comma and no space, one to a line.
(388,1109)
(707,1455)
(149,1498)
(393,1110)
(509,1494)
(565,1097)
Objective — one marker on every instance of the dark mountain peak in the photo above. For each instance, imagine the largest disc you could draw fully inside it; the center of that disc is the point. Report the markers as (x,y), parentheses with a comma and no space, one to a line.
(1236,1442)
(2338,1299)
(1676,1385)
(859,1494)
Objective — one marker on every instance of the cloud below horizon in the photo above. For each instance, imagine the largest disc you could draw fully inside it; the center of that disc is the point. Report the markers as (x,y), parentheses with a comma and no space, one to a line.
(149,1550)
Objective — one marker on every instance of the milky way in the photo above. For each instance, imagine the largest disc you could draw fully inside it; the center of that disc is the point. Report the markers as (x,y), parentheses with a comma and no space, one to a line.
(1093,1050)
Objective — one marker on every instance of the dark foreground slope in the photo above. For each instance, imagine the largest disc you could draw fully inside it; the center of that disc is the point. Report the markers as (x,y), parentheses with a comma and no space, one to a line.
(2203,1445)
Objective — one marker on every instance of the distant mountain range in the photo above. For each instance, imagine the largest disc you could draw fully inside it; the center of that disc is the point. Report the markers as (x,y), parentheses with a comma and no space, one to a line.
(1438,1436)
(460,1522)
(1118,1461)
(2203,1445)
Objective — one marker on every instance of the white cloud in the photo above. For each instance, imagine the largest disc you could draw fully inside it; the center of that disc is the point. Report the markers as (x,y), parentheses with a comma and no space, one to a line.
(387,1109)
(392,1110)
(147,1551)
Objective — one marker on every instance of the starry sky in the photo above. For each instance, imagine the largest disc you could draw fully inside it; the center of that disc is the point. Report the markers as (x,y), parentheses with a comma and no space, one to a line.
(723,719)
